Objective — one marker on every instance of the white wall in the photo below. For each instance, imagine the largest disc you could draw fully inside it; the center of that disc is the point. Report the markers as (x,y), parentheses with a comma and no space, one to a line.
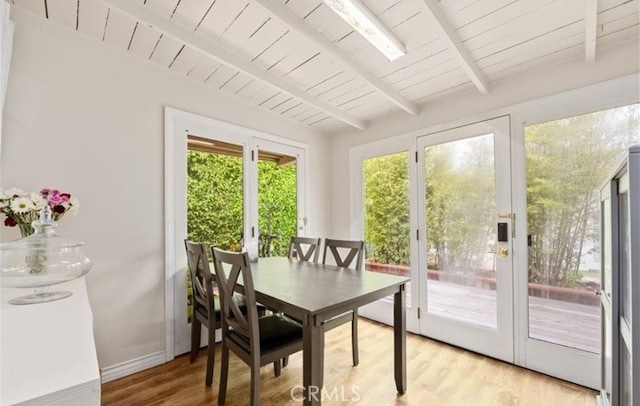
(88,119)
(503,98)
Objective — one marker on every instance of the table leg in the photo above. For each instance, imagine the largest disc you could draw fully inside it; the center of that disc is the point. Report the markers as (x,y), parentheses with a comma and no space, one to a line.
(312,362)
(400,340)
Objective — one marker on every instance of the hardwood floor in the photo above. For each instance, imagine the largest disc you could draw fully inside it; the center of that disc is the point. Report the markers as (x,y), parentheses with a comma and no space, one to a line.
(437,374)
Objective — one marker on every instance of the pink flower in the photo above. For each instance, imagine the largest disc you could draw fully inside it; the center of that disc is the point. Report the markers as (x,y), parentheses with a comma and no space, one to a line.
(49,192)
(55,200)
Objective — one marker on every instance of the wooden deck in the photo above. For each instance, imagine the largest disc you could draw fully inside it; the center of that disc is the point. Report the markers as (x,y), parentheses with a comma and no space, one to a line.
(565,323)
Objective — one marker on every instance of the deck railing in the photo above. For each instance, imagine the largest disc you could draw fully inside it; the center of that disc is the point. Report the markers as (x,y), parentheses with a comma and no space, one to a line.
(583,296)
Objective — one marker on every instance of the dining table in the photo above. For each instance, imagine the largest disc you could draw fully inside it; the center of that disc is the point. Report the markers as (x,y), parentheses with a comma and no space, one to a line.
(313,293)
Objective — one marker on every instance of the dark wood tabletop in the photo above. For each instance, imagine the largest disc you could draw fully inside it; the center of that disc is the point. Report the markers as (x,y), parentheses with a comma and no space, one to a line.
(313,293)
(305,288)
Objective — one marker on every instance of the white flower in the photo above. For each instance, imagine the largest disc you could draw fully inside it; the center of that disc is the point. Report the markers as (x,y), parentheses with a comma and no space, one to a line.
(22,205)
(14,191)
(38,201)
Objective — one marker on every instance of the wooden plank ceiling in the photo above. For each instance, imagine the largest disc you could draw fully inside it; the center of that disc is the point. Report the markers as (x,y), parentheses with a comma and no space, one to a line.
(300,61)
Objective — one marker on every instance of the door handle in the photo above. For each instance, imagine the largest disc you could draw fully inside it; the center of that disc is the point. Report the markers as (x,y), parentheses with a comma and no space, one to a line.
(502,252)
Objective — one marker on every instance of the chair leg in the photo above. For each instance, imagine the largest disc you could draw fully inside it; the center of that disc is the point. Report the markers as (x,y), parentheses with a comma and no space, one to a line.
(277,368)
(285,361)
(196,326)
(224,372)
(354,338)
(255,384)
(211,354)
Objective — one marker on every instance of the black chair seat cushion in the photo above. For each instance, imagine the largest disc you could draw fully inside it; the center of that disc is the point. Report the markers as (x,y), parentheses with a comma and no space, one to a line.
(276,330)
(216,305)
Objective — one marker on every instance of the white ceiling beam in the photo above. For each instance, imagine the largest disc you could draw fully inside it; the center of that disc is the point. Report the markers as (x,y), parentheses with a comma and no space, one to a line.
(212,49)
(288,17)
(461,53)
(590,30)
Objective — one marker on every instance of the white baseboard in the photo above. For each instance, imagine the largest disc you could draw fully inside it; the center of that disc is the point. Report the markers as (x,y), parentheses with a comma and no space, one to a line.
(132,366)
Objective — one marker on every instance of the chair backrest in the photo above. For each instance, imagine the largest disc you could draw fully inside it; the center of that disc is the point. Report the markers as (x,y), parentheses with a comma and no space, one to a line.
(304,248)
(201,279)
(344,252)
(230,267)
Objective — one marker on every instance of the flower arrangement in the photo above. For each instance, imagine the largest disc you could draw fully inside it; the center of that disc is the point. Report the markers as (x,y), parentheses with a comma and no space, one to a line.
(22,208)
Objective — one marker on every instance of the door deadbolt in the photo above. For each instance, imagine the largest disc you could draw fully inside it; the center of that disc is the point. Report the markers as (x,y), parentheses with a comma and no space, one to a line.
(503,232)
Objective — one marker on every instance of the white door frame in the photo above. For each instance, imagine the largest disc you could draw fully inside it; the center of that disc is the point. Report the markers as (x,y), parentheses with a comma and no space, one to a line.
(301,179)
(178,124)
(563,362)
(497,343)
(382,310)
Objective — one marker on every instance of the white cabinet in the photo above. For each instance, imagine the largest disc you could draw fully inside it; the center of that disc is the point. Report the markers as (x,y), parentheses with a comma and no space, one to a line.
(620,295)
(47,350)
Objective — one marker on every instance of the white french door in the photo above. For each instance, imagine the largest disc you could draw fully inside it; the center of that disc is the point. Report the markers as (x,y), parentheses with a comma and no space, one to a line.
(563,160)
(465,233)
(272,198)
(257,154)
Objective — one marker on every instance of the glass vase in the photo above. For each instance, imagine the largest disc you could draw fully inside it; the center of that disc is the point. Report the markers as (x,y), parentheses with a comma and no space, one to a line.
(26,229)
(40,260)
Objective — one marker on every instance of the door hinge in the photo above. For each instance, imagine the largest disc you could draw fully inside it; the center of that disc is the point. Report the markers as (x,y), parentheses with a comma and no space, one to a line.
(418,312)
(253,232)
(416,156)
(417,235)
(252,156)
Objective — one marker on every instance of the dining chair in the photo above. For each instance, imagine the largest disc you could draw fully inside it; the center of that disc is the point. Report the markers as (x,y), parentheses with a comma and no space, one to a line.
(302,248)
(206,305)
(346,254)
(257,341)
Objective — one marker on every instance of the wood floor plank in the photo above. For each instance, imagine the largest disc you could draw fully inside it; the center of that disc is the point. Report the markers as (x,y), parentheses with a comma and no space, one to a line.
(437,374)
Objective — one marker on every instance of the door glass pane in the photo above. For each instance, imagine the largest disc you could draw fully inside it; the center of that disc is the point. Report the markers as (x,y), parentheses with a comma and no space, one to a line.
(607,359)
(567,162)
(277,202)
(605,308)
(625,258)
(215,203)
(460,216)
(607,248)
(387,227)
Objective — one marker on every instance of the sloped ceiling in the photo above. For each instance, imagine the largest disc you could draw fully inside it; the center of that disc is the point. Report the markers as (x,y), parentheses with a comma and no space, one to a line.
(299,60)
